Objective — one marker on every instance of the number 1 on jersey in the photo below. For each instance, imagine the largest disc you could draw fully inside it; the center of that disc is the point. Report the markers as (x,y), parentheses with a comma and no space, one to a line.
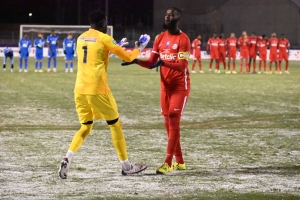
(84,53)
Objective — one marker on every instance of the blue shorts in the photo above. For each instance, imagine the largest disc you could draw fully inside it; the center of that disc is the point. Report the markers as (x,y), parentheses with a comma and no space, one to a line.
(39,55)
(24,54)
(52,54)
(69,55)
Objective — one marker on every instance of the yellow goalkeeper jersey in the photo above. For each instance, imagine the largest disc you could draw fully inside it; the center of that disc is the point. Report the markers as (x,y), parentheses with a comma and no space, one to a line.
(93,49)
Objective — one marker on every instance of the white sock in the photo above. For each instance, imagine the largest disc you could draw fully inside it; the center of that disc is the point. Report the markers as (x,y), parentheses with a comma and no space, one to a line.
(69,155)
(126,165)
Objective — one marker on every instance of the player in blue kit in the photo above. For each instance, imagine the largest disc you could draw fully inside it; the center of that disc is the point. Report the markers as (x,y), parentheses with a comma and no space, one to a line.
(24,49)
(52,43)
(69,46)
(39,43)
(8,53)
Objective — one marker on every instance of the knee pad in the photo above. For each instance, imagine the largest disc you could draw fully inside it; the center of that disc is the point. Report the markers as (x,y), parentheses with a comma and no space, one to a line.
(112,122)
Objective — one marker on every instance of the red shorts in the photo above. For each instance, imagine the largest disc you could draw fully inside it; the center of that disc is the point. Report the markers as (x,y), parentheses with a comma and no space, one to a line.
(252,54)
(222,56)
(173,101)
(197,56)
(263,57)
(273,57)
(214,54)
(283,56)
(232,54)
(244,54)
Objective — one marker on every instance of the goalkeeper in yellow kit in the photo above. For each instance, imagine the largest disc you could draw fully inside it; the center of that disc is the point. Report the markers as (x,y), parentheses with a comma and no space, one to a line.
(93,98)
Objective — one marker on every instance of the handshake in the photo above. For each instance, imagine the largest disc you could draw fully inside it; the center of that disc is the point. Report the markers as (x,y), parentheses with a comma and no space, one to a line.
(140,44)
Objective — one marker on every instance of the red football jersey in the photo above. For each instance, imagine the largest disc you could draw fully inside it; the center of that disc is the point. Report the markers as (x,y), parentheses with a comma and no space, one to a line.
(283,45)
(232,44)
(222,45)
(213,43)
(196,45)
(273,45)
(173,48)
(262,46)
(244,43)
(253,43)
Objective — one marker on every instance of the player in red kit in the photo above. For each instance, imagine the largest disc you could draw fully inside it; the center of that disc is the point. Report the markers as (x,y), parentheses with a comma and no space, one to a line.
(231,49)
(244,50)
(253,51)
(196,45)
(222,51)
(262,52)
(273,42)
(284,49)
(212,48)
(172,48)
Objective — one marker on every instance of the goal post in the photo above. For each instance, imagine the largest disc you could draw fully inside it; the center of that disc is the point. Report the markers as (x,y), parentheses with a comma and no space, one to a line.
(61,30)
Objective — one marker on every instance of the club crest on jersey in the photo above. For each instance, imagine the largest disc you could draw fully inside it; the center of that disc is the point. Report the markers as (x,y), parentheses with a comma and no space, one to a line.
(168,44)
(174,46)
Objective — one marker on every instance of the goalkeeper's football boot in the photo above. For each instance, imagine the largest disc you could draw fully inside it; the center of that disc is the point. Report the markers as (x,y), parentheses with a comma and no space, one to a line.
(63,169)
(178,166)
(164,169)
(134,169)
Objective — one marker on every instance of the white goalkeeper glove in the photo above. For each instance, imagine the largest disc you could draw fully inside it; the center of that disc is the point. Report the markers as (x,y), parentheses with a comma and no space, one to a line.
(123,42)
(142,43)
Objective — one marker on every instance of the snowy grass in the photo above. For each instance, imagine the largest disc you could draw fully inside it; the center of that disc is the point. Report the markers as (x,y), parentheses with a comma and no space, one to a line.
(240,137)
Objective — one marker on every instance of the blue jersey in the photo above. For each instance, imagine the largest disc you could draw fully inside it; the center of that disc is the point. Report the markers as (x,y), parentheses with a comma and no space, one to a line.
(25,45)
(39,44)
(69,45)
(53,41)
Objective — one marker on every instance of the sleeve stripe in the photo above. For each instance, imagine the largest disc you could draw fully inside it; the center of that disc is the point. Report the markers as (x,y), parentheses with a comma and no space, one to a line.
(155,52)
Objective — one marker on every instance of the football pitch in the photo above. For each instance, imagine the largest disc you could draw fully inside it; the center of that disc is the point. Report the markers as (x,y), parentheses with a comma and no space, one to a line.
(240,137)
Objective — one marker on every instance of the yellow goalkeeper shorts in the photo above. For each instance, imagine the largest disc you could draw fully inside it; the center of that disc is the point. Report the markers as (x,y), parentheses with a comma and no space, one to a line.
(94,107)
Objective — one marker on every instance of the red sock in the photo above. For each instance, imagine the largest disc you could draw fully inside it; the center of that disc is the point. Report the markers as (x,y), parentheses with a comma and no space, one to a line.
(174,137)
(193,66)
(260,62)
(200,66)
(178,153)
(287,65)
(247,67)
(280,66)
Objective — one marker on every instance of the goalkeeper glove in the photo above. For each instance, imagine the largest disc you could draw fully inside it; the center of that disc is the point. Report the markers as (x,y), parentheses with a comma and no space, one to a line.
(123,42)
(157,64)
(135,61)
(142,43)
(65,52)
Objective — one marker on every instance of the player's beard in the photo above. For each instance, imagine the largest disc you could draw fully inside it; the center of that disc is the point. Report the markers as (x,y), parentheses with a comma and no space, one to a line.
(171,25)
